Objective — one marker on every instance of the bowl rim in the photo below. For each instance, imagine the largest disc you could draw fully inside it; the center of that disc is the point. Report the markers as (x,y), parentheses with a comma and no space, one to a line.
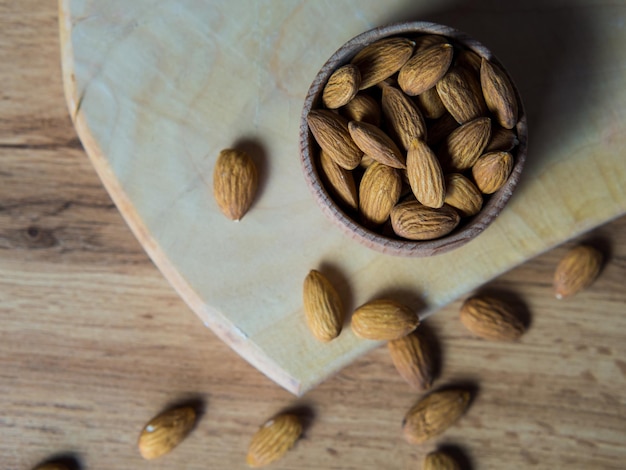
(356,231)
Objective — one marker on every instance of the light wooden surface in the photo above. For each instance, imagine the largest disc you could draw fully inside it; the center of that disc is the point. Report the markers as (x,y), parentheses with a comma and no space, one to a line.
(158,89)
(94,341)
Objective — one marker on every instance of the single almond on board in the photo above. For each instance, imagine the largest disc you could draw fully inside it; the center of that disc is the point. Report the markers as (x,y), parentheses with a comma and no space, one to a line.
(403,116)
(433,414)
(425,174)
(460,150)
(461,94)
(331,133)
(340,181)
(165,431)
(492,170)
(415,221)
(425,68)
(382,59)
(439,460)
(342,86)
(412,356)
(430,104)
(463,195)
(379,191)
(375,143)
(235,182)
(322,306)
(499,94)
(577,270)
(502,139)
(273,440)
(364,108)
(383,320)
(491,318)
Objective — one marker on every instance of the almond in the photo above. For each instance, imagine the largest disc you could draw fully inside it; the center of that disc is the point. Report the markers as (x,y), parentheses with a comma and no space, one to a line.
(362,108)
(383,320)
(502,139)
(342,86)
(430,104)
(415,221)
(461,94)
(322,306)
(331,133)
(273,440)
(381,59)
(499,94)
(460,150)
(463,195)
(470,60)
(235,181)
(422,71)
(440,461)
(427,41)
(491,318)
(403,116)
(165,431)
(425,174)
(340,181)
(375,143)
(433,414)
(577,270)
(492,170)
(412,356)
(379,191)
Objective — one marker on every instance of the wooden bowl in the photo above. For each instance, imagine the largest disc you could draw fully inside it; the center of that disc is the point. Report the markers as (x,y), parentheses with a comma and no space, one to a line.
(309,151)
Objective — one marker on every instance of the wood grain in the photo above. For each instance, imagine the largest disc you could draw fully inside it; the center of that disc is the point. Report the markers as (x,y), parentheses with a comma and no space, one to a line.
(94,342)
(157,90)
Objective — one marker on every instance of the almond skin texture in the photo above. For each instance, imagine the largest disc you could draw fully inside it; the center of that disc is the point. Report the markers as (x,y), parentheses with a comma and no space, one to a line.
(273,440)
(440,461)
(375,143)
(463,195)
(428,40)
(379,191)
(499,94)
(577,270)
(382,59)
(165,431)
(433,414)
(430,104)
(383,320)
(461,94)
(362,108)
(491,318)
(331,133)
(492,170)
(322,306)
(460,150)
(412,356)
(502,139)
(422,71)
(425,175)
(415,221)
(340,181)
(403,116)
(235,182)
(342,86)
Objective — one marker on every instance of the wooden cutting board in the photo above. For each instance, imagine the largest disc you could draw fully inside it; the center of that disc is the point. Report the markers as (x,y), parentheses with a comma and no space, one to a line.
(157,89)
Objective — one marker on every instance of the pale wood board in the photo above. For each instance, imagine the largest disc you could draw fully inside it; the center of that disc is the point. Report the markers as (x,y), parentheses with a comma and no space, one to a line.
(94,341)
(156,90)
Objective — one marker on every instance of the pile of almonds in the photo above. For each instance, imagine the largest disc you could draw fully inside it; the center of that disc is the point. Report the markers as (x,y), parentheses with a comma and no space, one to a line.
(413,134)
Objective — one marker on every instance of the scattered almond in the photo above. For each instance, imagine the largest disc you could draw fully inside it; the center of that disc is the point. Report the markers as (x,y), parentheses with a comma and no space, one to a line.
(499,94)
(375,143)
(491,318)
(383,320)
(381,59)
(322,306)
(577,270)
(412,356)
(379,191)
(440,461)
(492,170)
(425,174)
(463,195)
(273,440)
(415,221)
(235,181)
(342,86)
(331,133)
(433,414)
(165,431)
(403,116)
(422,71)
(340,181)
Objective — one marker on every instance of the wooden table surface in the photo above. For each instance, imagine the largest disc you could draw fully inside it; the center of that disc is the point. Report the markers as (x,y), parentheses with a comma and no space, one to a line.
(94,342)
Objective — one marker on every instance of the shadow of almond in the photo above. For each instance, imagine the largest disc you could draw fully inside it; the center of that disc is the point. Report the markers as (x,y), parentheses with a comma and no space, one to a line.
(305,412)
(458,454)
